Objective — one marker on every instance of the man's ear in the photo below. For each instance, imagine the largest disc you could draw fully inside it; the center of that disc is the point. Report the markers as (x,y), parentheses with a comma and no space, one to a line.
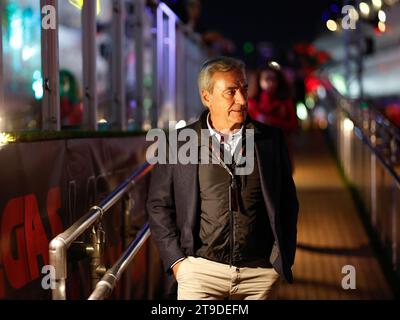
(205,97)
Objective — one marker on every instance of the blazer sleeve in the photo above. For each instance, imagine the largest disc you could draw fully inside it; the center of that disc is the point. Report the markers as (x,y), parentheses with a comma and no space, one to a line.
(288,202)
(162,215)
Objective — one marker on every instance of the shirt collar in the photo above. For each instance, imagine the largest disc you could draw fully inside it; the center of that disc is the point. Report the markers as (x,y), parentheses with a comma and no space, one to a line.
(218,135)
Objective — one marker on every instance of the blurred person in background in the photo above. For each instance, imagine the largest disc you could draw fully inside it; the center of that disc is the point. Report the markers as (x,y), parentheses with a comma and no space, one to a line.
(271,102)
(71,108)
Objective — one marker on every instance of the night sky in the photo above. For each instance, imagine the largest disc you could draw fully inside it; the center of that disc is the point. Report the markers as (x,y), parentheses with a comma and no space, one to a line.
(279,22)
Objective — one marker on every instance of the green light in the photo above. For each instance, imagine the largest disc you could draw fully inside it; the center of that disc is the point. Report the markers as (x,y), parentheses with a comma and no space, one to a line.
(147,102)
(79,4)
(364,105)
(301,111)
(310,103)
(339,83)
(11,8)
(147,81)
(248,47)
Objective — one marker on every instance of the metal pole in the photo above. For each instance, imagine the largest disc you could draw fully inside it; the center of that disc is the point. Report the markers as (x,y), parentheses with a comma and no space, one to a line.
(118,66)
(360,56)
(128,203)
(59,245)
(394,225)
(347,62)
(166,36)
(155,73)
(50,67)
(89,64)
(97,268)
(58,259)
(159,67)
(172,65)
(106,285)
(373,176)
(139,50)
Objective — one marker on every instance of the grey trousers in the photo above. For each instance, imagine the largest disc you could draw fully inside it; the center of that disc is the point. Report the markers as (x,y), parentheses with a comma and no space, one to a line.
(202,279)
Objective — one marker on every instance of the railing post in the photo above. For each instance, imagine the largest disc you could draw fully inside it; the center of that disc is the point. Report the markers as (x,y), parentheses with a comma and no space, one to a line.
(50,67)
(166,65)
(58,259)
(118,66)
(373,176)
(128,204)
(97,268)
(393,150)
(106,285)
(394,225)
(61,243)
(139,51)
(89,51)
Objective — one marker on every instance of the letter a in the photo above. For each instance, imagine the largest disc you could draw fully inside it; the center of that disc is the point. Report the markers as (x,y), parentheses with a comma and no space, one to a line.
(49,278)
(349,281)
(349,21)
(49,20)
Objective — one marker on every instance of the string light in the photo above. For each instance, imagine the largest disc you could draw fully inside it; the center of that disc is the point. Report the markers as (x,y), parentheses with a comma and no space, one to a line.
(331,25)
(364,8)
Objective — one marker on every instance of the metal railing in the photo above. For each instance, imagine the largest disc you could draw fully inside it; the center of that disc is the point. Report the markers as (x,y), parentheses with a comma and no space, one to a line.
(367,145)
(61,243)
(106,285)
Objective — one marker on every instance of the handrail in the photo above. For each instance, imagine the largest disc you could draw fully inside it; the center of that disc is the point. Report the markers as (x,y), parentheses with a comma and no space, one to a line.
(373,114)
(369,155)
(59,245)
(106,285)
(361,136)
(374,111)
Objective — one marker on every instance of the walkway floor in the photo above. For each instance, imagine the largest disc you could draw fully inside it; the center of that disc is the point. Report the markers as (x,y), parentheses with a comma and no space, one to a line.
(330,232)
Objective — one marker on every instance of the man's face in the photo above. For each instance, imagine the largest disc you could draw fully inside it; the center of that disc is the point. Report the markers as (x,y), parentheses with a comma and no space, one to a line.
(228,100)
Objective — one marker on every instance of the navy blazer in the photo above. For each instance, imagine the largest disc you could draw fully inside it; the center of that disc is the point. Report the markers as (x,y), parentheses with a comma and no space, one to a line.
(173,201)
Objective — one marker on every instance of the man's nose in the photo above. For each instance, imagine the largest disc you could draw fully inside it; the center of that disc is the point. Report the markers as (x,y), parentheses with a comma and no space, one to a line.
(240,98)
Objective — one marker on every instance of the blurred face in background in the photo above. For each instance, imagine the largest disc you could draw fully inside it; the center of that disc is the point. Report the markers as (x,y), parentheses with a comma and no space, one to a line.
(227,101)
(269,81)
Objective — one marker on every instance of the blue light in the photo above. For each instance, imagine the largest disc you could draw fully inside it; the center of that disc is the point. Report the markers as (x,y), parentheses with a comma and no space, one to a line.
(16,33)
(37,87)
(335,8)
(325,16)
(37,75)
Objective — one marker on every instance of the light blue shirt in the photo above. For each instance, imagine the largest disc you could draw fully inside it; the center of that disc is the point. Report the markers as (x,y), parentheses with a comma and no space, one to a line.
(230,141)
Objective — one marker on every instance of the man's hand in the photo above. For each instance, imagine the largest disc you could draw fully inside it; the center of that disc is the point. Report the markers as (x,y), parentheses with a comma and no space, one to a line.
(175,268)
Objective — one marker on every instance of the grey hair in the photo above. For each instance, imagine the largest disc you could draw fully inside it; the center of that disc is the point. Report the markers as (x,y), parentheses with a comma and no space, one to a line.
(218,64)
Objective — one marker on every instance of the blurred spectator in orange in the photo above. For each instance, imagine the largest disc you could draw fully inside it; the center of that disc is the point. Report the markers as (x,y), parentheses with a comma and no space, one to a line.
(272,102)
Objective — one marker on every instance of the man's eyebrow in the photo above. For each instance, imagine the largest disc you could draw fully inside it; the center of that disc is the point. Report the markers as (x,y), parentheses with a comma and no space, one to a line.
(232,87)
(237,87)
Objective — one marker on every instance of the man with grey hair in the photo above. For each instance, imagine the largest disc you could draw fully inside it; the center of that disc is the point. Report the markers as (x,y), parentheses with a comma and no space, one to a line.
(219,234)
